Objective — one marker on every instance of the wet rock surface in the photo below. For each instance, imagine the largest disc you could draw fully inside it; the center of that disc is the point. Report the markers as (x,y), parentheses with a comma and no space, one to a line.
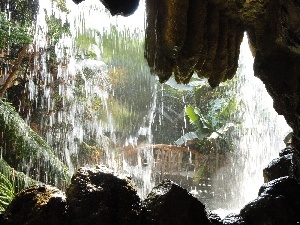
(98,196)
(42,205)
(168,203)
(279,167)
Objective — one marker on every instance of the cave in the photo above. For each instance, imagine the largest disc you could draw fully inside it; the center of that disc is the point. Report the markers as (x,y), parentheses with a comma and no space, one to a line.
(203,37)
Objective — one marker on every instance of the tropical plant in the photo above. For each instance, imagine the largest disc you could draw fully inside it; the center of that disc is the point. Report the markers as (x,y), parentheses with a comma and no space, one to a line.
(11,182)
(18,179)
(199,118)
(208,110)
(212,125)
(29,149)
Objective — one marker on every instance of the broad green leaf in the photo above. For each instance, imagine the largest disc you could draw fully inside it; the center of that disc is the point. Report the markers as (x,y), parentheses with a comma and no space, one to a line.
(191,114)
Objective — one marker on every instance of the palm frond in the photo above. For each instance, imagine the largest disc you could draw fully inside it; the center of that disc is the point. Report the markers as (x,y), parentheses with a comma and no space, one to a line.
(29,145)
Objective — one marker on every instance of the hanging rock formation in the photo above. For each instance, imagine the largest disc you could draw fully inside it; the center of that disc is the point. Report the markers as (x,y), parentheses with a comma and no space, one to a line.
(183,37)
(192,36)
(118,7)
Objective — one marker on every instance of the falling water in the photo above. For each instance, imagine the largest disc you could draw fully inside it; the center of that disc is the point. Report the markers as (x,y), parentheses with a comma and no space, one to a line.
(85,103)
(258,139)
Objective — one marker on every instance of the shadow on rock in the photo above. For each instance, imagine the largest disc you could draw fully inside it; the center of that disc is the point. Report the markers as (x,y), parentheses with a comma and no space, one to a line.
(42,205)
(170,204)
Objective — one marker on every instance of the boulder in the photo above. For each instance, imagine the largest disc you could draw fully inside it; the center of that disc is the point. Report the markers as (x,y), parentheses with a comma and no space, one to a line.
(40,204)
(278,203)
(170,204)
(98,196)
(279,167)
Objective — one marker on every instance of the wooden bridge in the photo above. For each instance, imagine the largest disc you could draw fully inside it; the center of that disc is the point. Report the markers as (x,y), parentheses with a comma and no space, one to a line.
(168,160)
(176,160)
(185,166)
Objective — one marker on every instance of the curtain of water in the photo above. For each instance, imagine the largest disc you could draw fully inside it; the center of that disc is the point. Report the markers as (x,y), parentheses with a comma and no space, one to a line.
(94,109)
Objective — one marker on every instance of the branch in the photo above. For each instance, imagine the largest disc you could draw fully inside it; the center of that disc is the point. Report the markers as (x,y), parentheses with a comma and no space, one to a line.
(14,70)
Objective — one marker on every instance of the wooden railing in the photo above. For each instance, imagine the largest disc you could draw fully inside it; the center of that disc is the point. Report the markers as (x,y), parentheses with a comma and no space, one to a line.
(169,160)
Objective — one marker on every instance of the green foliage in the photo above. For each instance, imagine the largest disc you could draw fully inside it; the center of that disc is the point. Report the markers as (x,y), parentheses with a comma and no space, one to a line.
(61,5)
(207,126)
(16,20)
(208,110)
(56,29)
(28,145)
(23,12)
(6,192)
(11,182)
(18,179)
(84,43)
(12,33)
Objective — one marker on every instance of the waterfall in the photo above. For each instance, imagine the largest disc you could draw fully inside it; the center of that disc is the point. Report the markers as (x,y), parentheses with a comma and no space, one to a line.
(84,89)
(258,139)
(95,106)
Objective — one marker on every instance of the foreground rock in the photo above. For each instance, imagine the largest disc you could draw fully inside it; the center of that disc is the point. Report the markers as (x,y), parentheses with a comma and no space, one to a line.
(170,204)
(98,196)
(279,167)
(278,203)
(101,197)
(42,205)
